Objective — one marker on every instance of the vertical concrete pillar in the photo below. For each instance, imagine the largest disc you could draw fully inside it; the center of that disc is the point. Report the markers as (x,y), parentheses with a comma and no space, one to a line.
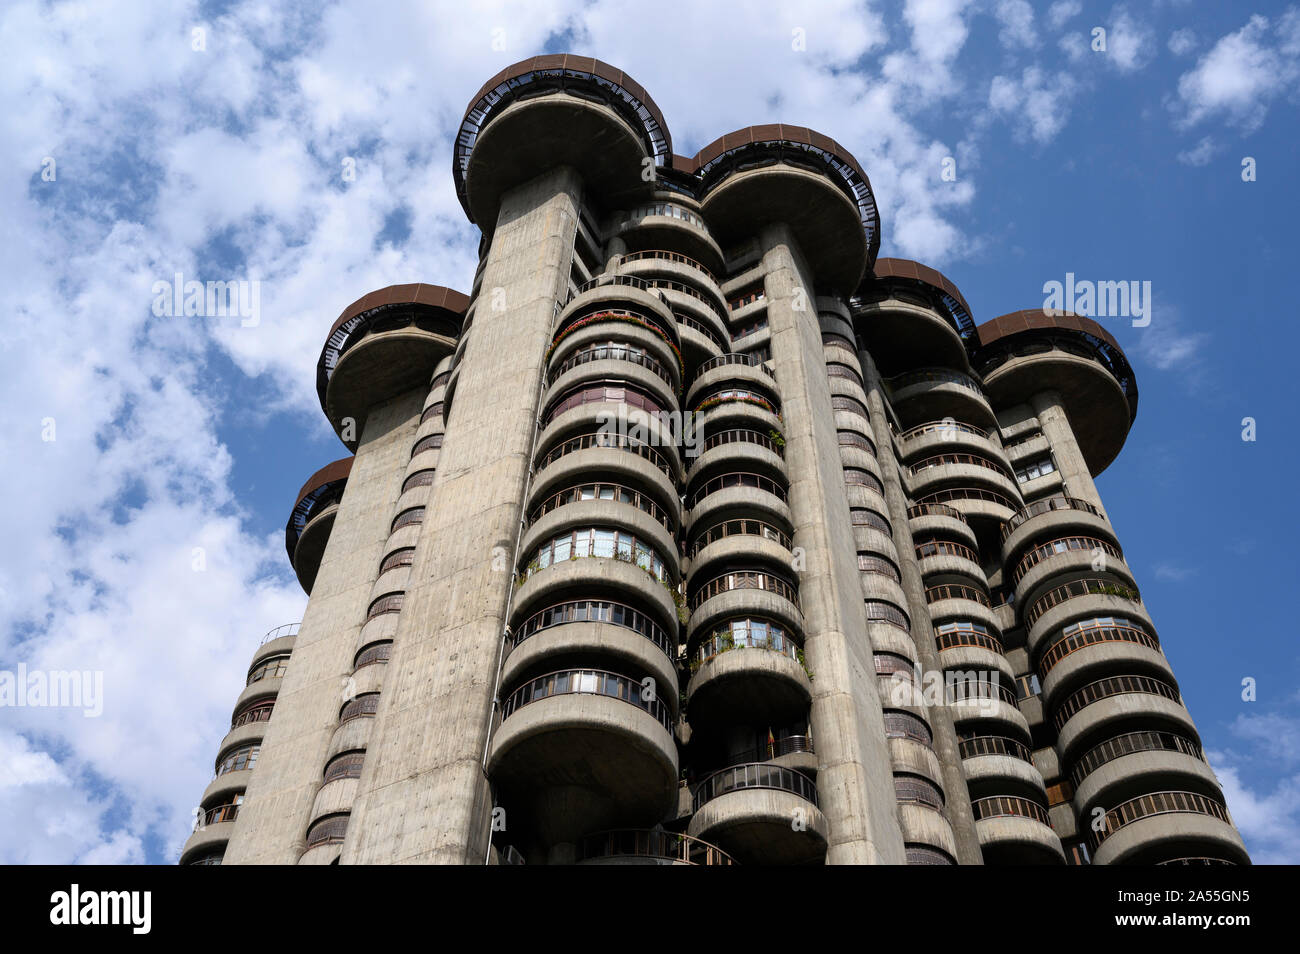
(956,795)
(854,780)
(277,806)
(424,796)
(1065,449)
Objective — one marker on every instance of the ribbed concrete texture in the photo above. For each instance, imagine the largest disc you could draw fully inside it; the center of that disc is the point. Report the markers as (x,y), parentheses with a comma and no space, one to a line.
(693,534)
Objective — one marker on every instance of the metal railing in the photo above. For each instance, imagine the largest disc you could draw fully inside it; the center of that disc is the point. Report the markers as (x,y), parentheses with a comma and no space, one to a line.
(748,360)
(1047,505)
(610,440)
(744,580)
(955,591)
(1091,636)
(587,682)
(648,843)
(998,806)
(743,435)
(1075,589)
(1050,549)
(288,629)
(665,255)
(753,775)
(948,427)
(1157,803)
(994,745)
(1128,744)
(1112,686)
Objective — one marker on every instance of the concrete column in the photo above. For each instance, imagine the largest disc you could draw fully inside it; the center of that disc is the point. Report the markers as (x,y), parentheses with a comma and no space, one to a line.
(1065,449)
(424,797)
(854,780)
(272,824)
(956,795)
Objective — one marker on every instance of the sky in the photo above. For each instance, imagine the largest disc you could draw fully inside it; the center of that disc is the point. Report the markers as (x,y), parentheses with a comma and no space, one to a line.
(152,460)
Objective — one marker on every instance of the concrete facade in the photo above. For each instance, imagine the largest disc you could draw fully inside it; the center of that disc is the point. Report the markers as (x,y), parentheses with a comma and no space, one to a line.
(698,534)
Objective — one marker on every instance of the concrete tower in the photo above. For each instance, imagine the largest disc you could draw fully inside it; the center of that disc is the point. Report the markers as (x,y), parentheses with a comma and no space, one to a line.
(696,533)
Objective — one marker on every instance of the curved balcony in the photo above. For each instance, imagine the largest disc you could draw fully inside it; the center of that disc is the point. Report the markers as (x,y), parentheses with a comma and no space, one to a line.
(1062,558)
(1081,599)
(727,542)
(583,747)
(962,469)
(975,503)
(1164,825)
(789,174)
(613,305)
(1001,764)
(939,521)
(946,557)
(605,359)
(312,518)
(630,576)
(700,343)
(965,644)
(667,223)
(604,502)
(1145,760)
(737,450)
(932,394)
(590,449)
(909,314)
(1093,710)
(740,593)
(750,670)
(557,110)
(743,370)
(935,438)
(592,630)
(1014,830)
(1028,352)
(1100,648)
(663,263)
(761,814)
(633,846)
(212,832)
(1051,518)
(734,494)
(385,343)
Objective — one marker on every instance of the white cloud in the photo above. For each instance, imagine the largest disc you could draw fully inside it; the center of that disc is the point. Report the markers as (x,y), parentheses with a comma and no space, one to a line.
(1062,11)
(1242,73)
(1037,103)
(1182,42)
(1129,42)
(1200,154)
(1016,19)
(1165,345)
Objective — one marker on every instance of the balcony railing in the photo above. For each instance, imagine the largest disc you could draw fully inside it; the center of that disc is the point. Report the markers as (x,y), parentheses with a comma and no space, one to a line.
(1128,744)
(694,324)
(744,580)
(1062,545)
(1047,505)
(1157,803)
(743,435)
(643,843)
(968,493)
(1112,686)
(742,526)
(611,351)
(964,639)
(979,745)
(933,376)
(998,806)
(610,440)
(726,481)
(288,629)
(754,775)
(929,548)
(1091,636)
(587,682)
(665,255)
(1075,589)
(955,591)
(935,510)
(770,637)
(748,360)
(943,427)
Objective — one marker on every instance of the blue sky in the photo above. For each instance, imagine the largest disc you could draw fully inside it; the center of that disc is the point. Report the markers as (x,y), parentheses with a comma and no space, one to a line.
(145,540)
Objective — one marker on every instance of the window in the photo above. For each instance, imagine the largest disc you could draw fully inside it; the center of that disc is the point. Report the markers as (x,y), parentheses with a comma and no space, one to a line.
(1038,468)
(272,668)
(870,563)
(238,759)
(747,296)
(599,542)
(862,517)
(1027,685)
